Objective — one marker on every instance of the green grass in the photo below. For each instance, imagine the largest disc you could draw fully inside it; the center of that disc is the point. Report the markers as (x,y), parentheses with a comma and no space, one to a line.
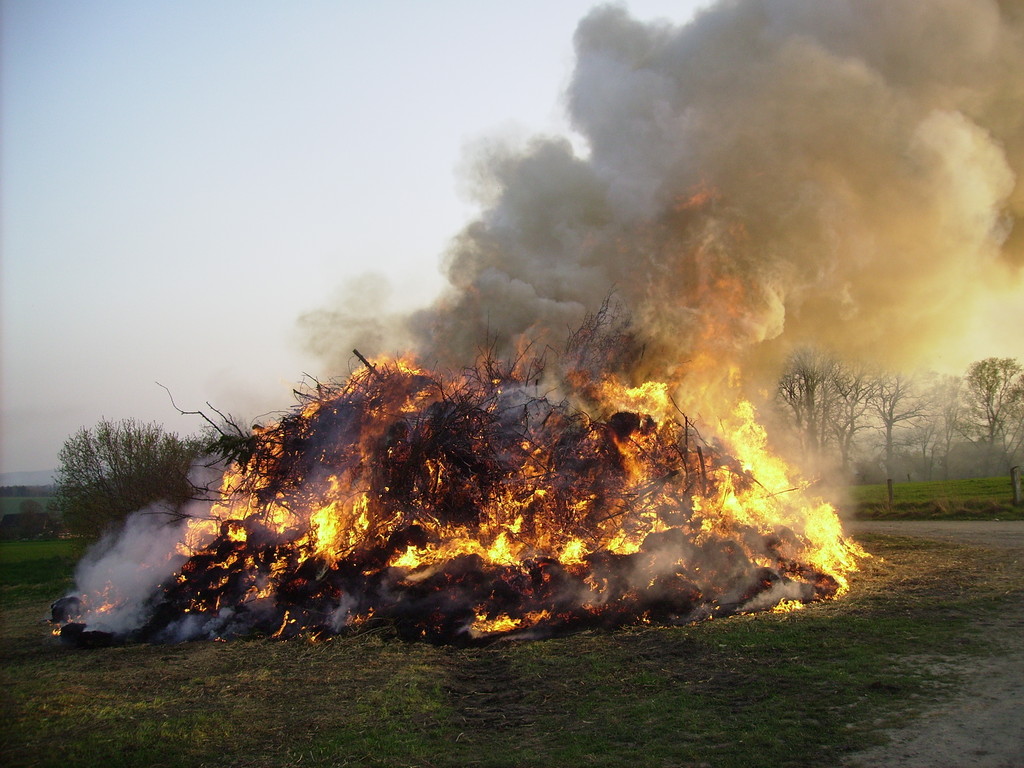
(794,689)
(989,498)
(36,570)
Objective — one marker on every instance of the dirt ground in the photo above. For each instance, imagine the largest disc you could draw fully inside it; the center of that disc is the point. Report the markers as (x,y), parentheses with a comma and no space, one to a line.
(983,725)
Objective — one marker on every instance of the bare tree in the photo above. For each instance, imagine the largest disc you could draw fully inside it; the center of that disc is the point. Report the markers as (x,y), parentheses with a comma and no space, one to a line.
(947,406)
(896,403)
(853,389)
(921,439)
(931,427)
(827,402)
(805,392)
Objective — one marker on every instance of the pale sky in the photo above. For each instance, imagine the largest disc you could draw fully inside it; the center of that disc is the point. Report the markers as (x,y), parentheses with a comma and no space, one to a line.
(182,180)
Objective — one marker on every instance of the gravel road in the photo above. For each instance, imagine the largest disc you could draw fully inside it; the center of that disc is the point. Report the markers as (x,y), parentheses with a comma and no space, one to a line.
(1007,534)
(983,726)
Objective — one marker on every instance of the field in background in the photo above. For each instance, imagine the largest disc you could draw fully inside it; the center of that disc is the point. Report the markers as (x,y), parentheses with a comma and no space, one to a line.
(36,570)
(10,505)
(792,689)
(989,498)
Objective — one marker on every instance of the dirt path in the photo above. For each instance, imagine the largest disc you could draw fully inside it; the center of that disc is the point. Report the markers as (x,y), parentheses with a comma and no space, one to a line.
(1007,534)
(983,726)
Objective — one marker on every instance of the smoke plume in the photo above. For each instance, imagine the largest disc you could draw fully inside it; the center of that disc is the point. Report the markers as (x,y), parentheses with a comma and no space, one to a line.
(774,173)
(121,572)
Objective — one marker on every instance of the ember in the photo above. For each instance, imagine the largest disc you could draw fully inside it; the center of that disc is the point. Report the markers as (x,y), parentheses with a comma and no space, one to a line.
(475,507)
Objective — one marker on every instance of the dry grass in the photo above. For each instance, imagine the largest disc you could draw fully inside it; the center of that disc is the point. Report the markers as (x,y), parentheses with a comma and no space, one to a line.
(778,689)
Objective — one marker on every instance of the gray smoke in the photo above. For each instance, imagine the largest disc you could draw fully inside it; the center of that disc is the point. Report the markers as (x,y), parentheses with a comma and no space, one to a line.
(775,173)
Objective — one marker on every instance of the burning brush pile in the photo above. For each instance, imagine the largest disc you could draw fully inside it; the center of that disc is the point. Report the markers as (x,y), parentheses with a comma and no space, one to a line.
(470,508)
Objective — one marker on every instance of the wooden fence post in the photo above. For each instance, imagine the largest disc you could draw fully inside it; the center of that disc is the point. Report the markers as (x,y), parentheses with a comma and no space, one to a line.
(1018,499)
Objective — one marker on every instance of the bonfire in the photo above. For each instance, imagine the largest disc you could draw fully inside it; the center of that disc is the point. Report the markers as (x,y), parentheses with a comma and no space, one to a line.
(470,507)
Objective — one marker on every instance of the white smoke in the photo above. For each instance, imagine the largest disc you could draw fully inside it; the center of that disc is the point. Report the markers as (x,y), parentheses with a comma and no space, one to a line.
(120,574)
(774,173)
(780,591)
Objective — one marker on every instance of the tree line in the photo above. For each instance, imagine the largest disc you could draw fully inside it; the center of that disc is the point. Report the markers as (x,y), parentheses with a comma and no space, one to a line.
(872,425)
(21,491)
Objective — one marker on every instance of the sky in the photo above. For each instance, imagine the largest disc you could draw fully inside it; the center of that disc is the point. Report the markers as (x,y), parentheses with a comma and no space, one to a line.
(183,180)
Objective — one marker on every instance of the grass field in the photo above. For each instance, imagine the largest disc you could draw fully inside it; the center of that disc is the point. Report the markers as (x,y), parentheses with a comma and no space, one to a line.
(794,689)
(35,570)
(989,498)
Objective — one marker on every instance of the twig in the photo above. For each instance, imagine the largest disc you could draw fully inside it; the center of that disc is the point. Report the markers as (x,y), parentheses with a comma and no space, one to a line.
(364,361)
